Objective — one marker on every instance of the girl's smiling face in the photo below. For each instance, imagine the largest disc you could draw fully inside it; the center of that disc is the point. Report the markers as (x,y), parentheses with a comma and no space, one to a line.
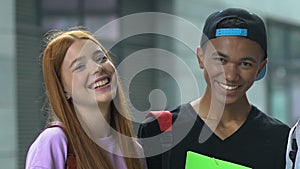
(87,74)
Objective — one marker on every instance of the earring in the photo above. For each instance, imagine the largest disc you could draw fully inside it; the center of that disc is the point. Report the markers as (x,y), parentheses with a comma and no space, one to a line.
(67,96)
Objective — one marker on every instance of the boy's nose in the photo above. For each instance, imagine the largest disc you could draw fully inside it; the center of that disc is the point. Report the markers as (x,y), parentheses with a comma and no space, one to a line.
(231,72)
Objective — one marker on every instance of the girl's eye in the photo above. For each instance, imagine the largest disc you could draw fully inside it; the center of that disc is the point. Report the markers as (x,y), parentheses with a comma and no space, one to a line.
(79,67)
(101,59)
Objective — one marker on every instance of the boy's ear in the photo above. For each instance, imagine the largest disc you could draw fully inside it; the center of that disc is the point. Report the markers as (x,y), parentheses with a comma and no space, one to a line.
(200,57)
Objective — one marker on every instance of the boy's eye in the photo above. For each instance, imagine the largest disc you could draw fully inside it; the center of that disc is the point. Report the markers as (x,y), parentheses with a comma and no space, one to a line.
(246,64)
(220,60)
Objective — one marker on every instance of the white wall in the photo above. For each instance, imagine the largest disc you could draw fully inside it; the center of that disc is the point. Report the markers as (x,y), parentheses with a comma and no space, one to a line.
(8,125)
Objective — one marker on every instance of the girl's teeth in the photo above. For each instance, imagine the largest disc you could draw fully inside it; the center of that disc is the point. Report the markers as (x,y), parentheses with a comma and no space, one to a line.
(100,83)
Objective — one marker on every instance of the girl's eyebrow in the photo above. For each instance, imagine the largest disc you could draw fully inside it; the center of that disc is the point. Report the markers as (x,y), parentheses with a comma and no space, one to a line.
(98,52)
(80,58)
(76,60)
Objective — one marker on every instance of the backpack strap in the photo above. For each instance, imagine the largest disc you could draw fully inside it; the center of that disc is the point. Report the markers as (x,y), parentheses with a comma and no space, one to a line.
(164,119)
(71,158)
(294,148)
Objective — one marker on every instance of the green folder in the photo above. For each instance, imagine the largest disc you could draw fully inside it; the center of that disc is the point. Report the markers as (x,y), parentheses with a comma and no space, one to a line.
(199,161)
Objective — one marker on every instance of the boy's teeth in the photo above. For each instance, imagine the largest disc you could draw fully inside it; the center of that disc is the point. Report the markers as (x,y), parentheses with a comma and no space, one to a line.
(100,83)
(228,87)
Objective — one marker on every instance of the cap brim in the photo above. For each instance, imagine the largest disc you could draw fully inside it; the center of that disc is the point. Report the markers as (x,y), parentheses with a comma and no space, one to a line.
(262,73)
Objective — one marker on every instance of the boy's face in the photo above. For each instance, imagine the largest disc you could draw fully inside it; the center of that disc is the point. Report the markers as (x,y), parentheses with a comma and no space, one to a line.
(231,65)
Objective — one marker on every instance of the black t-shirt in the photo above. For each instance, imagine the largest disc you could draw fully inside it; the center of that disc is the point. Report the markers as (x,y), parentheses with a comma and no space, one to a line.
(260,143)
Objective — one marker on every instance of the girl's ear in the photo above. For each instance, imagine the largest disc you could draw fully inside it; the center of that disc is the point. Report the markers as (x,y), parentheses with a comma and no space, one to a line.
(67,92)
(200,57)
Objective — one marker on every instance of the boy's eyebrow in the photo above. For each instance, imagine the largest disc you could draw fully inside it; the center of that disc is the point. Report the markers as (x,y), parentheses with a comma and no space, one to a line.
(218,53)
(248,58)
(245,58)
(76,60)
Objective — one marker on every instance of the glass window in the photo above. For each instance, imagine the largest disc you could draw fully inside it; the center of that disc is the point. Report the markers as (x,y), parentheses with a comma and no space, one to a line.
(96,22)
(59,22)
(59,5)
(294,44)
(276,44)
(102,5)
(92,14)
(284,68)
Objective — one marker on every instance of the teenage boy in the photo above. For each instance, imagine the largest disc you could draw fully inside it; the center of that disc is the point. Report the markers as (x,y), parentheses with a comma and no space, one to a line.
(222,123)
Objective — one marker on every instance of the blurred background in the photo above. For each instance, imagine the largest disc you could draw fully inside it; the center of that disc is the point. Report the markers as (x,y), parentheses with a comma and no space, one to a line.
(23,24)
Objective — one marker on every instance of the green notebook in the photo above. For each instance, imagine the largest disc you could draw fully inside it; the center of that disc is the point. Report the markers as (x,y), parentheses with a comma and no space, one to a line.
(199,161)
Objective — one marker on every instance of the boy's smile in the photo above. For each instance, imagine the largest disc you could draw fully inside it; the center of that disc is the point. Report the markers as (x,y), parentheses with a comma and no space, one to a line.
(231,65)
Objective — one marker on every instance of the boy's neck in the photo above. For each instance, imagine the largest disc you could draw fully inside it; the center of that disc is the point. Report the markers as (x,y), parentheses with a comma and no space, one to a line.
(206,107)
(223,119)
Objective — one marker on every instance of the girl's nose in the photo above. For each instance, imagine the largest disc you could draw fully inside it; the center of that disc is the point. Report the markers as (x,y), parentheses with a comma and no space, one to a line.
(98,68)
